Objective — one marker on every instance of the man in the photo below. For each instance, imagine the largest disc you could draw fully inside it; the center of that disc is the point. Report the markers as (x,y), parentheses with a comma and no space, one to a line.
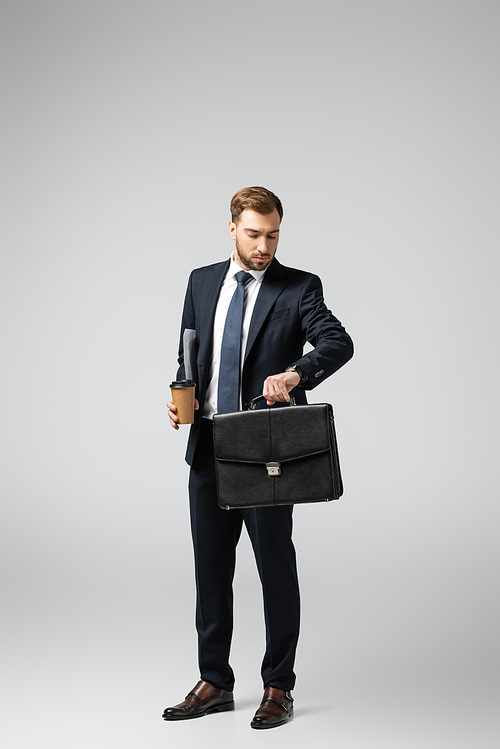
(280,309)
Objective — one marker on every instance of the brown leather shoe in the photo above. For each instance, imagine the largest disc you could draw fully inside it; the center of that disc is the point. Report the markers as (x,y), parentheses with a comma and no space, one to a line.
(202,700)
(276,709)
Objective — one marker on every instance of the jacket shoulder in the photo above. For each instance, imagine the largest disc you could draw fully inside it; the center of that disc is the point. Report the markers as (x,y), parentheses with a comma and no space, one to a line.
(208,269)
(294,275)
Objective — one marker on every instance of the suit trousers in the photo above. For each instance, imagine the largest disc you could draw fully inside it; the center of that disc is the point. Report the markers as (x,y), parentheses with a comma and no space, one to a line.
(215,535)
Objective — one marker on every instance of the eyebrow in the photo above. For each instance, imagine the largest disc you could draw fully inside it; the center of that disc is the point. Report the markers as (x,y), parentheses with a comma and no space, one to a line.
(258,231)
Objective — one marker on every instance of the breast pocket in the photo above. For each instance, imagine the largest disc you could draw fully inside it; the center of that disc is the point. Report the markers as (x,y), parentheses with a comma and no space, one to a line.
(278,314)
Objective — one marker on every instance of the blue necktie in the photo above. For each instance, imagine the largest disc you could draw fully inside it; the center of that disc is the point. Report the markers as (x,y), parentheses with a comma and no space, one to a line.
(228,394)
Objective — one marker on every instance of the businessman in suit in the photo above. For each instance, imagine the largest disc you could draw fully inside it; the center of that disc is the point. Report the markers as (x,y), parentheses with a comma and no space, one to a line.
(274,311)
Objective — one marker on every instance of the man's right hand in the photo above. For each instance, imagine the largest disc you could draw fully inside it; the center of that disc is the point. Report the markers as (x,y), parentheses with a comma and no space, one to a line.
(172,413)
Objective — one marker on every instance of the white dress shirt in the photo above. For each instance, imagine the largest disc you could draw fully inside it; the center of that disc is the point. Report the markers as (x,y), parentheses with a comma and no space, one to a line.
(229,285)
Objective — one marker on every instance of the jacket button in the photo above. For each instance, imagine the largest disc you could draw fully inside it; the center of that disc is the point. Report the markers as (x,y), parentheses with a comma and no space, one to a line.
(318,374)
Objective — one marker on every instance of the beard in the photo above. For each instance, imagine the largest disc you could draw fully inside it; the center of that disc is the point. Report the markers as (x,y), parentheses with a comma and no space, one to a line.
(249,262)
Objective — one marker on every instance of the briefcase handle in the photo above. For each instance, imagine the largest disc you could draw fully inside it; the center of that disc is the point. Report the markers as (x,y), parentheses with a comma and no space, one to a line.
(253,403)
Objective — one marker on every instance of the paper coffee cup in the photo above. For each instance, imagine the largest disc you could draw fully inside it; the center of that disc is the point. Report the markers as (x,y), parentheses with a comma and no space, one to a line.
(183,397)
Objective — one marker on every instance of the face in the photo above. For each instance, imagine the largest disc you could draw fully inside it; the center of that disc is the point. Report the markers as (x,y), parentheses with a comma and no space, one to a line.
(255,239)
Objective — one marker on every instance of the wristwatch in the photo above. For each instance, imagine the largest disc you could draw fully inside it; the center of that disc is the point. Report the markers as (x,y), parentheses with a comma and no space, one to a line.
(300,372)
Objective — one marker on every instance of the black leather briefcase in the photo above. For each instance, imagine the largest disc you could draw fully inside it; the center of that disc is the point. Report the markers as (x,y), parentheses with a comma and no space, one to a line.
(276,456)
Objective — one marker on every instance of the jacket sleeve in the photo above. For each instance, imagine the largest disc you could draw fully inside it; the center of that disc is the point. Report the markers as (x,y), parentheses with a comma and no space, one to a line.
(188,321)
(333,346)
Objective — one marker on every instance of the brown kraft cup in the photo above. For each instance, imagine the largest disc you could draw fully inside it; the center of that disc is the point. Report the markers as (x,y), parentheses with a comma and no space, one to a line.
(183,397)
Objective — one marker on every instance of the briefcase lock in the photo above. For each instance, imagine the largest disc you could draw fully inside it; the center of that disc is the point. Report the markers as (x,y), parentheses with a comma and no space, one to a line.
(273,469)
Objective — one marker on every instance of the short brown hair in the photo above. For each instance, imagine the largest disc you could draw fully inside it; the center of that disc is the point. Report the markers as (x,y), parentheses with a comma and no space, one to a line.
(258,199)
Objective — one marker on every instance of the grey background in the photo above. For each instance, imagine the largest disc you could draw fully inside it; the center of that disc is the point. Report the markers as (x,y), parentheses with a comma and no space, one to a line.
(126,128)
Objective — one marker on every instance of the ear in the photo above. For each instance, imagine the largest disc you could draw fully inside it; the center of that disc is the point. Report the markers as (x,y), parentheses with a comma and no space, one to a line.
(232,229)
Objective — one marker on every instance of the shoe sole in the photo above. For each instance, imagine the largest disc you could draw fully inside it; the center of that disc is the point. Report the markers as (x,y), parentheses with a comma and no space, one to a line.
(217,709)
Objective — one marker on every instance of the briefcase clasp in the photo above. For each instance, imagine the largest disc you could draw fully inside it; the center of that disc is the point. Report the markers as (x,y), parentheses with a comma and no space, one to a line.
(273,469)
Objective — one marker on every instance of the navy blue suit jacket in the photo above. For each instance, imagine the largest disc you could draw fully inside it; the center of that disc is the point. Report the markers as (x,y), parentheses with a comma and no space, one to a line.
(289,311)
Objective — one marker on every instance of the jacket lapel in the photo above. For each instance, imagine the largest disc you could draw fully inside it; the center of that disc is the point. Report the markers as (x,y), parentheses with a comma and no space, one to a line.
(273,284)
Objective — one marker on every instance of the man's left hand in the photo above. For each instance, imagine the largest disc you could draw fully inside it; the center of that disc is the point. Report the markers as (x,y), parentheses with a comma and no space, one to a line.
(277,387)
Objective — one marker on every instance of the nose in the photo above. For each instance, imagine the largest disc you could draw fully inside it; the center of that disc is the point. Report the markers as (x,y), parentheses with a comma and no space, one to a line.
(263,245)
